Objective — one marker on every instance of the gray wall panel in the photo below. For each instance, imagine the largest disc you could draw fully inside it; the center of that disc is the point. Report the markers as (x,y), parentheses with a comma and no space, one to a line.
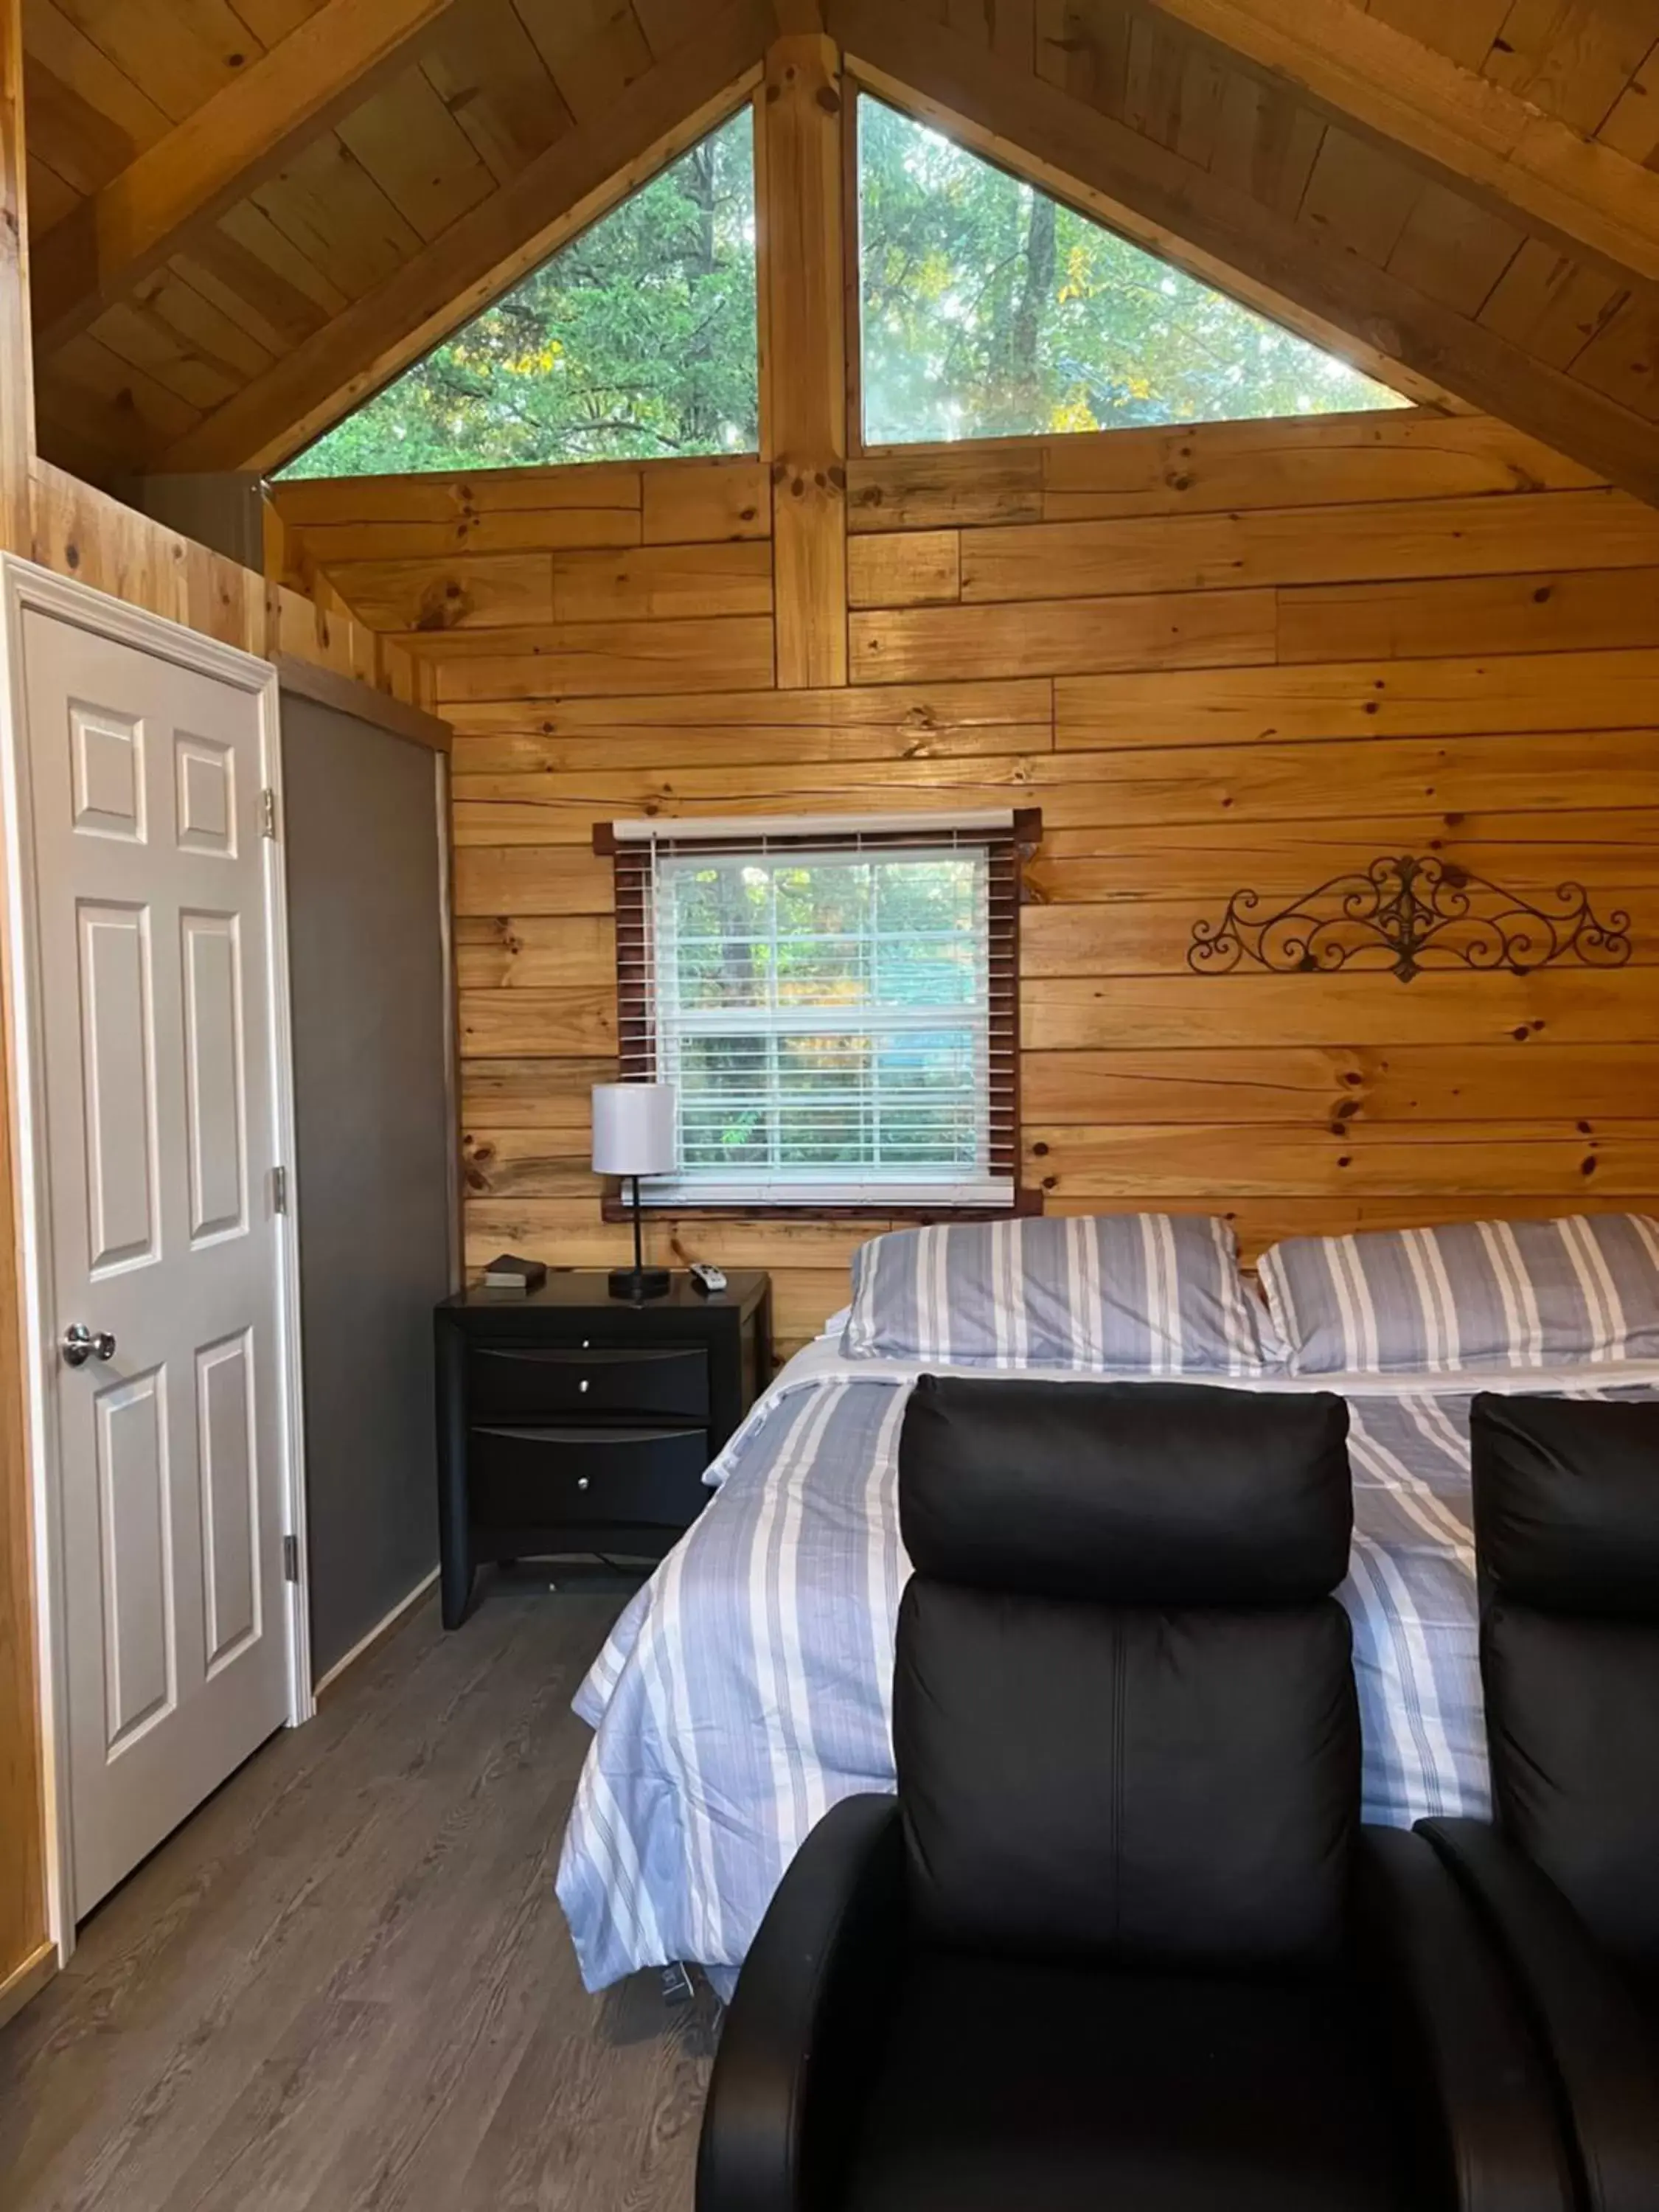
(374,1139)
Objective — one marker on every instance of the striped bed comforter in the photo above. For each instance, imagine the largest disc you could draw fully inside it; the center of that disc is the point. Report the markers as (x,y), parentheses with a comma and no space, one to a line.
(747,1686)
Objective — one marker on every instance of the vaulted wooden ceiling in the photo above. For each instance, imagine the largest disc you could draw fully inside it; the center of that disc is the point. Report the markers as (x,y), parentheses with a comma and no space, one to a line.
(246,214)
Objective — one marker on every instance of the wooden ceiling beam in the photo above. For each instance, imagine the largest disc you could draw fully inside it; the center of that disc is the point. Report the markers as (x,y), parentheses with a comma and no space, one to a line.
(800,220)
(1477,133)
(1175,209)
(242,135)
(584,174)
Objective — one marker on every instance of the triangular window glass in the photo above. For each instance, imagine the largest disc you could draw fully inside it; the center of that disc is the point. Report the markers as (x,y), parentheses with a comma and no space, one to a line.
(989,310)
(635,342)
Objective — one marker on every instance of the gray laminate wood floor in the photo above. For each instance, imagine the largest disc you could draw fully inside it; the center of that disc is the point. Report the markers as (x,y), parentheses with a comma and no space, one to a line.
(346,1982)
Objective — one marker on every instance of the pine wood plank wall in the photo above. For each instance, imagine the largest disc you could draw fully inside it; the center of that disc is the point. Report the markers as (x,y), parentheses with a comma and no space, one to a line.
(82,533)
(1238,654)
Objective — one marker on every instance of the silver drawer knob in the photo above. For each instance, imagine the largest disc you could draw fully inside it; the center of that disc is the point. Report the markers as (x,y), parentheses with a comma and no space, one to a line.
(582,1385)
(581,1482)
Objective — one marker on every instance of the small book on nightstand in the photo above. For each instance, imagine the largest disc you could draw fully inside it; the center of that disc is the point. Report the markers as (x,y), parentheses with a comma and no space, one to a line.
(507,1272)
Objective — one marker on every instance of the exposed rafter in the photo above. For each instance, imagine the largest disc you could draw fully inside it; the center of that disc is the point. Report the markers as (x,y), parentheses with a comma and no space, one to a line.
(1479,133)
(1177,208)
(586,173)
(111,241)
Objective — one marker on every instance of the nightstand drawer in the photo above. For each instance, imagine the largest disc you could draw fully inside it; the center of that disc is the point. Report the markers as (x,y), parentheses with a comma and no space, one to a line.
(530,1379)
(524,1477)
(572,1422)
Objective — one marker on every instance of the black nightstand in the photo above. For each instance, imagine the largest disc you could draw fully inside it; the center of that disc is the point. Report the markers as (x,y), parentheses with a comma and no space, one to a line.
(570,1421)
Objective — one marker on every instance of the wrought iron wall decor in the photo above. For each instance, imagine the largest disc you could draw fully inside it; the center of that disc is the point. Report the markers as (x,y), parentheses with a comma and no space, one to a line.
(1408,913)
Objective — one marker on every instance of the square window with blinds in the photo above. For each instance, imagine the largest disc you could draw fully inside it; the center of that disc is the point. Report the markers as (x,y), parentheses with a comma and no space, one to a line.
(836,1006)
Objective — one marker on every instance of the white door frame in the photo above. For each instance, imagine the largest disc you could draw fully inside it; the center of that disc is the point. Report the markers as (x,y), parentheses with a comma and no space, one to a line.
(25,588)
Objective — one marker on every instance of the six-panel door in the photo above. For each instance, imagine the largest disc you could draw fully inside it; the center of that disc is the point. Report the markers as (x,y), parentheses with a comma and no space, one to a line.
(145,782)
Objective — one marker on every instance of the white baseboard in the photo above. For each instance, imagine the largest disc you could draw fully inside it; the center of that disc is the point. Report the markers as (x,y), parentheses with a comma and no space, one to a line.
(27,1981)
(382,1629)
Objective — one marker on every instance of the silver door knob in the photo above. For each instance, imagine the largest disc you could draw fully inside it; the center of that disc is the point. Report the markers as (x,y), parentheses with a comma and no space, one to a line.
(81,1344)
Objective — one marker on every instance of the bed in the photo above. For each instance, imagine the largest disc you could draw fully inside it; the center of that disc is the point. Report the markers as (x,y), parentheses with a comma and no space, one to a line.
(746,1687)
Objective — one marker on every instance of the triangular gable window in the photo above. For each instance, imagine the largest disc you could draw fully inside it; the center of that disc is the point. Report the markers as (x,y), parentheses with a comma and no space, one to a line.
(636,340)
(989,310)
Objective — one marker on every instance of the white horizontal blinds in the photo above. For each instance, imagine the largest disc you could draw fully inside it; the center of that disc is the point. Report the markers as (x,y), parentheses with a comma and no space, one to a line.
(836,1006)
(635,876)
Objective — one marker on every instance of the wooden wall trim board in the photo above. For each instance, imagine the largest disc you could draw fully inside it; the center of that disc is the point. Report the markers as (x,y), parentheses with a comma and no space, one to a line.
(334,525)
(26,1980)
(1187,470)
(572,1230)
(1379,541)
(1126,788)
(16,355)
(24,1956)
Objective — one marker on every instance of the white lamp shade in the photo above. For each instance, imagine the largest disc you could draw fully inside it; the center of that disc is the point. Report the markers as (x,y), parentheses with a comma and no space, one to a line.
(635,1131)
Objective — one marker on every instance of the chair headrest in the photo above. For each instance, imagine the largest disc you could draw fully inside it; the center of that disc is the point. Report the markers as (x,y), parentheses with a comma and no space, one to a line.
(1566,1501)
(1129,1493)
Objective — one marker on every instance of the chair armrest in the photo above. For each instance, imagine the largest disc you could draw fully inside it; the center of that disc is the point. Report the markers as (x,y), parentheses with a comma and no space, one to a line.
(1596,2041)
(801,2035)
(1489,2096)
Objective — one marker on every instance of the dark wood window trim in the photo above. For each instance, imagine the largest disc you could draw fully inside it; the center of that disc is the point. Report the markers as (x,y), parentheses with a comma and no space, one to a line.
(1009,850)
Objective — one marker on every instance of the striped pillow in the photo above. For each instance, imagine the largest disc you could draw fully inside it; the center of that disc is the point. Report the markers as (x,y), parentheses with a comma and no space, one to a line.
(1125,1294)
(1474,1294)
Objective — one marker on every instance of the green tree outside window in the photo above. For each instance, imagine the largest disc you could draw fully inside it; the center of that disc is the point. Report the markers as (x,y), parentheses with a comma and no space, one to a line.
(636,341)
(989,310)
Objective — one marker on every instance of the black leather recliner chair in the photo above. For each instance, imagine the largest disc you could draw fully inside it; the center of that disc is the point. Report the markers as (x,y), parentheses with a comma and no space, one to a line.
(1567,1521)
(1120,1940)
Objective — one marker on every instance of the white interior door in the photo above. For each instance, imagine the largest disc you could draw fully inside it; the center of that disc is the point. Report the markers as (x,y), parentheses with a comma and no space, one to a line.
(159,1085)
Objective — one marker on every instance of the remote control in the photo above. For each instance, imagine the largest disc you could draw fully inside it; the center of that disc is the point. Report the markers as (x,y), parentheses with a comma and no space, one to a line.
(707,1278)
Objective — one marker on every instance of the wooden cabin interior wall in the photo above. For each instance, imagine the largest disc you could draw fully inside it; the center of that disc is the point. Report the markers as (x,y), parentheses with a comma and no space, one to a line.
(1226,656)
(1229,656)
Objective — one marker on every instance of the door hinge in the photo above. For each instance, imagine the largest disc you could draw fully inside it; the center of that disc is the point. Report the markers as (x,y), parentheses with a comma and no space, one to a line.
(290,1558)
(279,1190)
(267,812)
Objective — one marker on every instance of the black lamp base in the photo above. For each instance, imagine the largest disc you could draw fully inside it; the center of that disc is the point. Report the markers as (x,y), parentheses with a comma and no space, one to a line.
(639,1281)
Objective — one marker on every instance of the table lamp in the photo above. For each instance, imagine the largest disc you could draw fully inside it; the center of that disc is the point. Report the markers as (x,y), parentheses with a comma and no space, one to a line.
(635,1132)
